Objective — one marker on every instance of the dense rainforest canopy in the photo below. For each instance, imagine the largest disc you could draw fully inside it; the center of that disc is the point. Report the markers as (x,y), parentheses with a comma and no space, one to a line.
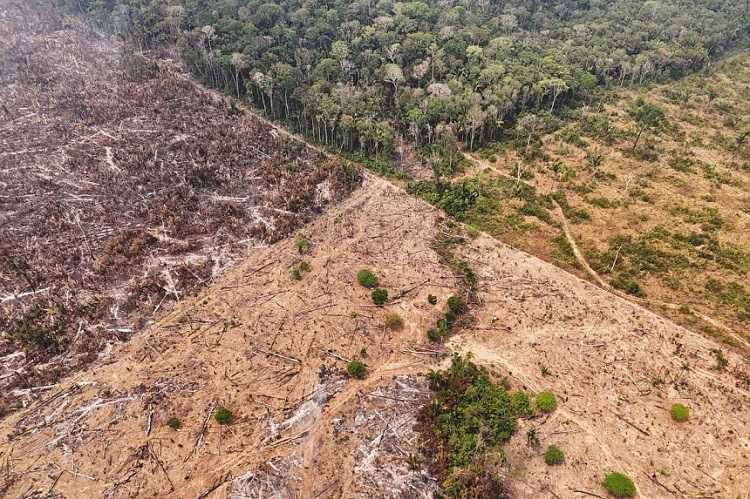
(359,73)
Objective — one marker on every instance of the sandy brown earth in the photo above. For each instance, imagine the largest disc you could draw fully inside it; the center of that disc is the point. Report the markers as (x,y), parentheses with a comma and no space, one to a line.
(618,368)
(271,349)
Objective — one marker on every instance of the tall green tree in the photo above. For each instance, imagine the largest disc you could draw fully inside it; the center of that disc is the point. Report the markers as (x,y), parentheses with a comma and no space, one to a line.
(647,117)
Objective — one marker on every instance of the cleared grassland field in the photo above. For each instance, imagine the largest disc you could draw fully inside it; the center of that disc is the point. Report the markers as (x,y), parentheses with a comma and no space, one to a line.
(667,223)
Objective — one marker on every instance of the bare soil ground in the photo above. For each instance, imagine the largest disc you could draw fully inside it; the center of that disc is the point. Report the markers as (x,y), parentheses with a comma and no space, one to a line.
(618,369)
(124,188)
(271,349)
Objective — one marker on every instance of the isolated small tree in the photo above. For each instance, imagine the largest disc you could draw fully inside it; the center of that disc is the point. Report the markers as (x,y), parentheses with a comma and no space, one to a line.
(546,401)
(554,456)
(647,117)
(356,369)
(619,485)
(367,279)
(680,413)
(223,416)
(379,296)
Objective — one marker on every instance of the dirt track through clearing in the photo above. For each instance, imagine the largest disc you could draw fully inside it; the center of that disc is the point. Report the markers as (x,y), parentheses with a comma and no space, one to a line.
(577,252)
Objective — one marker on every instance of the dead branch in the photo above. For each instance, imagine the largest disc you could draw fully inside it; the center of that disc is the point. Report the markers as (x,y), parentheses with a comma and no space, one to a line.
(657,482)
(161,465)
(409,290)
(629,423)
(204,425)
(333,354)
(587,493)
(266,352)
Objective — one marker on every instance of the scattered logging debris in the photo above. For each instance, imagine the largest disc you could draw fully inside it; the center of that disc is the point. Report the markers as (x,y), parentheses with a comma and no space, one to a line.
(125,187)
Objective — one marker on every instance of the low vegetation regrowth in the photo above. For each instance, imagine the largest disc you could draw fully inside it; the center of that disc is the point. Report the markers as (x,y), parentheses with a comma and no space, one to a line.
(464,428)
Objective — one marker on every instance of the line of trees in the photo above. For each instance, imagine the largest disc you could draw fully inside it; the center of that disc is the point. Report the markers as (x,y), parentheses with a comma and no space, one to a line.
(357,74)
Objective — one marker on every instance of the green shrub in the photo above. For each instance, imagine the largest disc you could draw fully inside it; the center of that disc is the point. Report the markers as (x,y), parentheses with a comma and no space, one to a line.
(554,456)
(223,416)
(432,299)
(534,209)
(680,413)
(379,296)
(356,369)
(472,231)
(443,327)
(433,335)
(367,278)
(571,137)
(394,322)
(304,266)
(602,202)
(546,401)
(520,404)
(301,243)
(623,282)
(619,485)
(174,423)
(469,275)
(456,305)
(296,275)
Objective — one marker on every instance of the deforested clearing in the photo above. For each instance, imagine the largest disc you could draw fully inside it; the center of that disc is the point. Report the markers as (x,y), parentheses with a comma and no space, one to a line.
(197,303)
(274,351)
(125,187)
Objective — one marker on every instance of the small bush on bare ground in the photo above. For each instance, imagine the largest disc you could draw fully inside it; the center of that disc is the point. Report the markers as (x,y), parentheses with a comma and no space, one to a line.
(125,187)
